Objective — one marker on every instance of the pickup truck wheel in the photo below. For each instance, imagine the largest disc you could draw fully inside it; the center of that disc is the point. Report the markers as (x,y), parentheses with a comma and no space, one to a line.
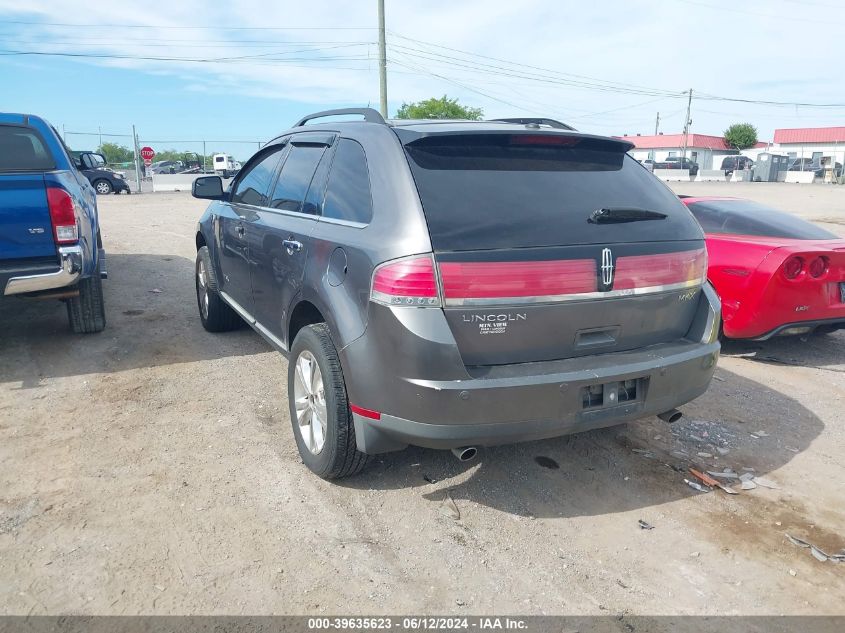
(215,314)
(319,409)
(103,187)
(86,312)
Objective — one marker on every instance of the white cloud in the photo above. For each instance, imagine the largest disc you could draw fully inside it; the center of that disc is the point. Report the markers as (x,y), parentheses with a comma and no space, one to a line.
(716,47)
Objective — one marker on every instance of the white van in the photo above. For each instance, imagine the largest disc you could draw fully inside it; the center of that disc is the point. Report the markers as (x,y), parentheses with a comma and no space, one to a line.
(225,165)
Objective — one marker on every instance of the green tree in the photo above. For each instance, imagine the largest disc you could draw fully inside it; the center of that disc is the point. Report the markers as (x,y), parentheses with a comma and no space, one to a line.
(741,136)
(169,154)
(443,108)
(115,153)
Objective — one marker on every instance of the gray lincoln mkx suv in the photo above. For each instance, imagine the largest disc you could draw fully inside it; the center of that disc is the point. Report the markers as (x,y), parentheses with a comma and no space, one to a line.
(452,284)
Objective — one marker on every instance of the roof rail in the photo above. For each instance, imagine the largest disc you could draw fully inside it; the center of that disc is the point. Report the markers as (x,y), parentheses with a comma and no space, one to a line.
(536,121)
(370,115)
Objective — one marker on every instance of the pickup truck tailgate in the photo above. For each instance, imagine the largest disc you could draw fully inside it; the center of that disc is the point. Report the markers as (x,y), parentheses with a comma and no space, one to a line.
(25,227)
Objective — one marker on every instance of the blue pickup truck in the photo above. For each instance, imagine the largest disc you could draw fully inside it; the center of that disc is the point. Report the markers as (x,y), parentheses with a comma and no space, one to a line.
(50,243)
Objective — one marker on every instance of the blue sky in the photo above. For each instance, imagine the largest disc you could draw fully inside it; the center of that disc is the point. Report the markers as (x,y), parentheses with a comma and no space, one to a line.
(605,67)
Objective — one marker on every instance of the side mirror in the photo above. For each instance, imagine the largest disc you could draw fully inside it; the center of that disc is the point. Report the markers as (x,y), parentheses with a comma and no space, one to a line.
(208,188)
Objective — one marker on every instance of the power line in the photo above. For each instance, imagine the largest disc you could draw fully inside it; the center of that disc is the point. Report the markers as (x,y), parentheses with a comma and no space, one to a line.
(518,64)
(603,86)
(625,107)
(194,43)
(456,83)
(501,71)
(191,27)
(182,59)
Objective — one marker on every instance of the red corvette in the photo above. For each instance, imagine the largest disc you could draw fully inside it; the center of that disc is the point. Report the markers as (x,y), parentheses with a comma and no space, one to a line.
(776,274)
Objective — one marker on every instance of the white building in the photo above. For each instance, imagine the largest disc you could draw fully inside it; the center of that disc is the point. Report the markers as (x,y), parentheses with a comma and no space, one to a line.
(703,149)
(824,145)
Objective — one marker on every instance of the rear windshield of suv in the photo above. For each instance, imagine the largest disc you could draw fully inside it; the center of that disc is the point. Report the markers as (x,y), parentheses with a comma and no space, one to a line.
(487,191)
(21,149)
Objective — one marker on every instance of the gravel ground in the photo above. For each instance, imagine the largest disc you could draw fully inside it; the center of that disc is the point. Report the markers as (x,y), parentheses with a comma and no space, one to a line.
(151,469)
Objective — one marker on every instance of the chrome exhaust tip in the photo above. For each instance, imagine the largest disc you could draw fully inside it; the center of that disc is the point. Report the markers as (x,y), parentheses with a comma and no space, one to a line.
(465,453)
(672,415)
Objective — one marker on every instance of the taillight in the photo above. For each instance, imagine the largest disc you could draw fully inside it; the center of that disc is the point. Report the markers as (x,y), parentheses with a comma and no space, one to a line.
(818,267)
(406,282)
(666,269)
(793,267)
(62,215)
(476,281)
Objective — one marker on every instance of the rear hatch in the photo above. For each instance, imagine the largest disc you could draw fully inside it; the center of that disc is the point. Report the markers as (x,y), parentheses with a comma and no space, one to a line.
(551,245)
(25,228)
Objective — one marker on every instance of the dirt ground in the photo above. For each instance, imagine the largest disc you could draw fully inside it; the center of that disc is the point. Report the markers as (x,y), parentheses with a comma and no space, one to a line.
(151,469)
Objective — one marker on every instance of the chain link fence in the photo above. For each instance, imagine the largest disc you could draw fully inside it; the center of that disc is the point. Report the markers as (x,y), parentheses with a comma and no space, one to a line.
(191,156)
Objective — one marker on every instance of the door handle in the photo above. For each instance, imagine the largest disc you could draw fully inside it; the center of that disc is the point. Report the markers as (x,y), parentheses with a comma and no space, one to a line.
(292,246)
(240,230)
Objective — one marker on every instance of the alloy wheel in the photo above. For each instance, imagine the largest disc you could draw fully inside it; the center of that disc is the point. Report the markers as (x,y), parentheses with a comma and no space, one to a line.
(310,402)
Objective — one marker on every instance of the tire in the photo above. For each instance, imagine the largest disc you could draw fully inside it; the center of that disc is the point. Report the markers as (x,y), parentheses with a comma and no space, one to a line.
(103,187)
(86,312)
(339,455)
(215,314)
(225,174)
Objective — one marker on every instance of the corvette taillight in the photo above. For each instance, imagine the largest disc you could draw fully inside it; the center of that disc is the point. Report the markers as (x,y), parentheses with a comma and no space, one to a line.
(793,267)
(818,267)
(406,282)
(62,215)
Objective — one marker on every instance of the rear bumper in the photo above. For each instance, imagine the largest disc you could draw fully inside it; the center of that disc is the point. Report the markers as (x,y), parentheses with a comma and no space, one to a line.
(70,268)
(404,350)
(530,407)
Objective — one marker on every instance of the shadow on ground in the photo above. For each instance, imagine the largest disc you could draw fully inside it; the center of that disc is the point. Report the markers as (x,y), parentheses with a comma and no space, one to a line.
(152,320)
(640,465)
(819,351)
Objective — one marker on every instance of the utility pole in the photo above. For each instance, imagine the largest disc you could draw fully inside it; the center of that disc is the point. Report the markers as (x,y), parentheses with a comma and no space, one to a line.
(137,158)
(382,60)
(100,132)
(657,124)
(203,157)
(687,123)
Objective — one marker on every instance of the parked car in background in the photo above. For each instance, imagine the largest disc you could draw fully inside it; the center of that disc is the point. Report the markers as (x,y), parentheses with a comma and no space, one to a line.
(167,167)
(225,165)
(801,164)
(103,178)
(677,162)
(50,243)
(452,284)
(648,164)
(775,273)
(808,164)
(730,164)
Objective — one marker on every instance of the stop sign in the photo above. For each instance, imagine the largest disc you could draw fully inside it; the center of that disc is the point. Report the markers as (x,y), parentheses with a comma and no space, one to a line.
(147,153)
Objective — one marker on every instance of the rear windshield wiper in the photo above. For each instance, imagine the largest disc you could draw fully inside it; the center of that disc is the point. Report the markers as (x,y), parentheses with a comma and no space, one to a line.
(615,215)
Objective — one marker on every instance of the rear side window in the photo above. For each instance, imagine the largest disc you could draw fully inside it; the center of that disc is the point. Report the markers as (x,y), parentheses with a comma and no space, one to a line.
(297,172)
(21,149)
(348,195)
(253,186)
(489,191)
(744,217)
